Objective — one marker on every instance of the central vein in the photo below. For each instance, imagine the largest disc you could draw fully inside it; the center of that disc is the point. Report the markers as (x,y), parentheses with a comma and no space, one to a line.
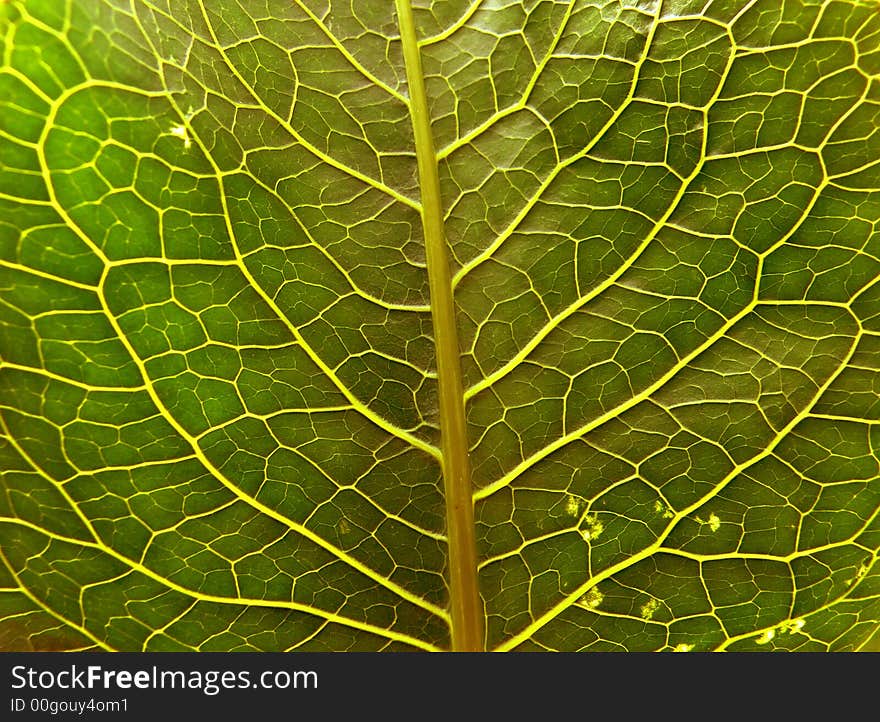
(466,610)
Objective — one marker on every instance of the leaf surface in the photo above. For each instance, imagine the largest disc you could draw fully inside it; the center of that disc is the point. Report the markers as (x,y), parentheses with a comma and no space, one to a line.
(283,285)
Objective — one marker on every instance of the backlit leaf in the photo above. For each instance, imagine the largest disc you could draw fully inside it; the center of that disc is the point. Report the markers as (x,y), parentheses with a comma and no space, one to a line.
(283,284)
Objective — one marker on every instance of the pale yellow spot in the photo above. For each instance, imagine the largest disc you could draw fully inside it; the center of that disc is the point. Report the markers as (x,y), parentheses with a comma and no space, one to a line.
(661,508)
(766,637)
(714,522)
(683,648)
(792,626)
(180,131)
(572,506)
(592,599)
(342,526)
(593,528)
(648,608)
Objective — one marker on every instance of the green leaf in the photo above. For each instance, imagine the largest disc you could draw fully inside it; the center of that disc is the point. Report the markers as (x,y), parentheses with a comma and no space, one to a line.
(348,325)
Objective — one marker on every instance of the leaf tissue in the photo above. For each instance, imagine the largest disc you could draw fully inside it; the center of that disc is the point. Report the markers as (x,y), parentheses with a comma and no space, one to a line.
(451,324)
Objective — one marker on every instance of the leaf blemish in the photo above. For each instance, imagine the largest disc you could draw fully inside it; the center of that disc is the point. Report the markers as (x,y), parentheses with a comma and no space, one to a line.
(713,522)
(593,528)
(573,505)
(792,626)
(648,609)
(662,509)
(180,131)
(592,599)
(766,637)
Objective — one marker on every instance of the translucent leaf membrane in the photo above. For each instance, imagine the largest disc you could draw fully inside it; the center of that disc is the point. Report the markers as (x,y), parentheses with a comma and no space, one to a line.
(219,420)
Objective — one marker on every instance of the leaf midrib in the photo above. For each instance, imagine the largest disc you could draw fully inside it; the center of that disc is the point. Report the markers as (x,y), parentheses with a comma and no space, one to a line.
(465,606)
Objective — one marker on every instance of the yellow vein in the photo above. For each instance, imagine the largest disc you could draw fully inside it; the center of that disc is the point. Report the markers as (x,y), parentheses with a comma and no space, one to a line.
(651,549)
(65,380)
(305,640)
(51,612)
(252,501)
(616,411)
(48,276)
(8,41)
(356,403)
(356,290)
(212,598)
(355,63)
(24,201)
(524,98)
(62,490)
(782,558)
(572,308)
(315,357)
(455,27)
(163,629)
(61,36)
(28,83)
(842,597)
(536,196)
(340,554)
(351,487)
(317,152)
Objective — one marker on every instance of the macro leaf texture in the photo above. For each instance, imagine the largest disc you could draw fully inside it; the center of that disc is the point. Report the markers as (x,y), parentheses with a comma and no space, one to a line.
(464,324)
